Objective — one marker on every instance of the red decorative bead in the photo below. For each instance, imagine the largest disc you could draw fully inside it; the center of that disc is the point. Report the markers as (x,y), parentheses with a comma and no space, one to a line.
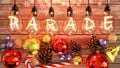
(97,60)
(60,45)
(11,58)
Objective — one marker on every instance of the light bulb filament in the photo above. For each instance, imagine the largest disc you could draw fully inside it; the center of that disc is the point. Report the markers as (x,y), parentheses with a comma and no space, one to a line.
(108,24)
(32,25)
(14,25)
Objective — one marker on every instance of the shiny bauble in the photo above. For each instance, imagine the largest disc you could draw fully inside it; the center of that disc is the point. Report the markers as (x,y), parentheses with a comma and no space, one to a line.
(46,38)
(69,56)
(6,38)
(31,45)
(8,45)
(62,57)
(112,38)
(60,45)
(97,60)
(77,60)
(11,58)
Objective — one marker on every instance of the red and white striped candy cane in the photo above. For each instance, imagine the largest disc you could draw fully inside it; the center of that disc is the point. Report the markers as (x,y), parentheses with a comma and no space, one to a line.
(46,66)
(27,65)
(55,65)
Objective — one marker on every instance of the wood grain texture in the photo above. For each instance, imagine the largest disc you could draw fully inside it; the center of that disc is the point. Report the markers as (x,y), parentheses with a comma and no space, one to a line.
(60,17)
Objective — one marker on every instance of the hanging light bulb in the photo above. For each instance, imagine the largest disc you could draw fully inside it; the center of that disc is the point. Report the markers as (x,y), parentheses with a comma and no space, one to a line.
(88,27)
(51,25)
(33,26)
(88,10)
(106,25)
(107,9)
(70,26)
(15,25)
(14,9)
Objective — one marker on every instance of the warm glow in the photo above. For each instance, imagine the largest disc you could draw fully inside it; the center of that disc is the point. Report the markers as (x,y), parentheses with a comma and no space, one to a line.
(51,26)
(32,26)
(88,26)
(108,24)
(14,24)
(70,27)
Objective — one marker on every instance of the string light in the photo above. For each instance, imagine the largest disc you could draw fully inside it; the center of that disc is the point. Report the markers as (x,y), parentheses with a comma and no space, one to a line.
(70,26)
(14,9)
(106,26)
(33,26)
(88,10)
(34,10)
(89,26)
(15,26)
(51,25)
(107,9)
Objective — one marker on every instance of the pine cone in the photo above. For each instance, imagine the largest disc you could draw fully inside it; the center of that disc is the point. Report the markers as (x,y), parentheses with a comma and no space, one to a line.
(75,47)
(45,55)
(94,44)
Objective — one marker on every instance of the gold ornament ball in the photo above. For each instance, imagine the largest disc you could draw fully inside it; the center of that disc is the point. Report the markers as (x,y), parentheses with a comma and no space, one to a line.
(31,45)
(46,38)
(77,60)
(112,38)
(35,61)
(18,43)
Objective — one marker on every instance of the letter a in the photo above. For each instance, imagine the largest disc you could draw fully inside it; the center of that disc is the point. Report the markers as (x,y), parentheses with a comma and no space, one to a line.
(32,25)
(71,25)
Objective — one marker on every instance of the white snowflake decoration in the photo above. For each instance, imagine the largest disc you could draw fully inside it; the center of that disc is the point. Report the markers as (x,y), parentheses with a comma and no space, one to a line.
(26,3)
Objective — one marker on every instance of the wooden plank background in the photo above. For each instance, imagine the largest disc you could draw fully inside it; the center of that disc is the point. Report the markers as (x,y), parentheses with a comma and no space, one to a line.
(60,17)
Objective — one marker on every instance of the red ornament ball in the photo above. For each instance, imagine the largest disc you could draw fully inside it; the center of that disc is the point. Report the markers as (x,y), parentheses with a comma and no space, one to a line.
(60,45)
(97,60)
(11,58)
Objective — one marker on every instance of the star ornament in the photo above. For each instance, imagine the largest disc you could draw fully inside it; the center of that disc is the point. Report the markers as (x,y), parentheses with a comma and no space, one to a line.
(113,53)
(26,3)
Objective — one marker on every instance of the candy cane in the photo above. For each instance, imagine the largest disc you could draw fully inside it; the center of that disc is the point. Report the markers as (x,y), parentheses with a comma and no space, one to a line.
(55,65)
(26,62)
(46,66)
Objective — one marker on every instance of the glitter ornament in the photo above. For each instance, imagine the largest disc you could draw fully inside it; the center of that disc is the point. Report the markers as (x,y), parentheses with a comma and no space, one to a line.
(60,45)
(6,38)
(31,45)
(46,38)
(97,60)
(62,57)
(112,38)
(69,56)
(77,60)
(11,58)
(7,44)
(3,46)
